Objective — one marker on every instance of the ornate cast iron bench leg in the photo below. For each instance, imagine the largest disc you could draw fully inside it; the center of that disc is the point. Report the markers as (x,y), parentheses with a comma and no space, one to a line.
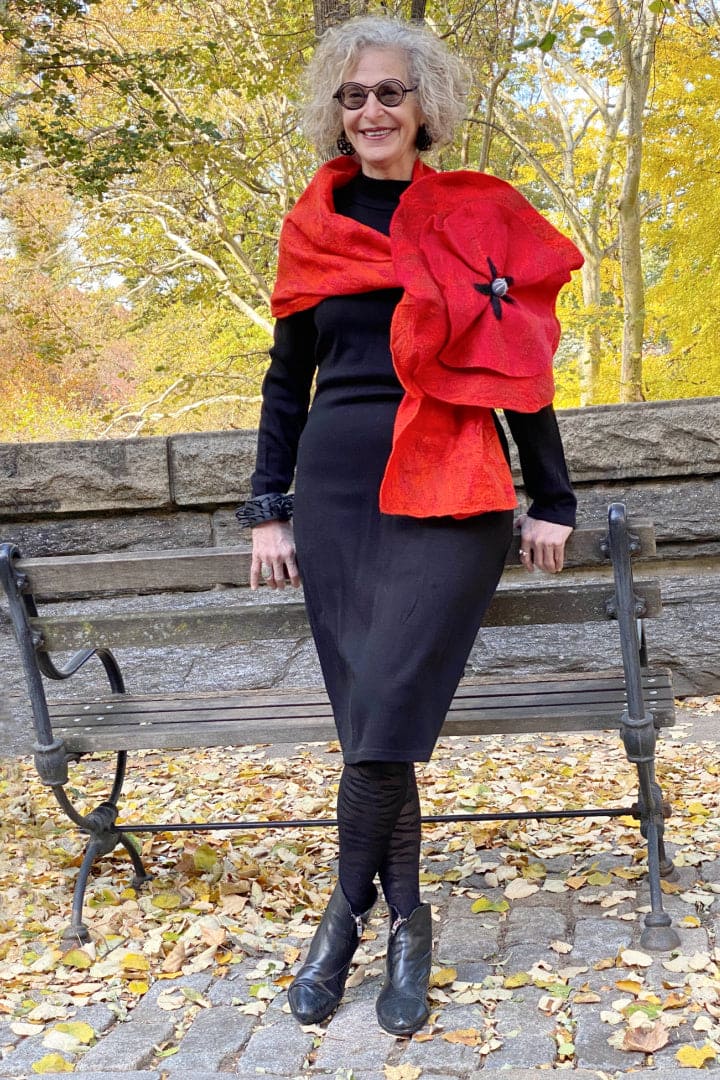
(639,736)
(51,758)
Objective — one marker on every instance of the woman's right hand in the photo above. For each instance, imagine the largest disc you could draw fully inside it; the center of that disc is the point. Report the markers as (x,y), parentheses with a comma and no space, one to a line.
(273,548)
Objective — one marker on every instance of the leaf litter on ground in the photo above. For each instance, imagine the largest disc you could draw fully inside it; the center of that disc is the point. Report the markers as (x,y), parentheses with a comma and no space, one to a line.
(231,898)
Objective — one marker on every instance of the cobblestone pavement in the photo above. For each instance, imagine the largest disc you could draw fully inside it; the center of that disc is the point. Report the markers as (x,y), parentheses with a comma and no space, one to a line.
(493,1017)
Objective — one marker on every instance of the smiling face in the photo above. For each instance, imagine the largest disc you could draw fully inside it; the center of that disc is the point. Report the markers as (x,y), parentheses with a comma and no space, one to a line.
(383,137)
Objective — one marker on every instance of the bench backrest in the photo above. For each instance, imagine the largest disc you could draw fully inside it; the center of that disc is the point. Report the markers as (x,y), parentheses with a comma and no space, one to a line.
(521,599)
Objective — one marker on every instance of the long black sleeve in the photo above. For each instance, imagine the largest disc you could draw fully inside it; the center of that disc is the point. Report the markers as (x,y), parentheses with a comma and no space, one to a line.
(542,461)
(286,398)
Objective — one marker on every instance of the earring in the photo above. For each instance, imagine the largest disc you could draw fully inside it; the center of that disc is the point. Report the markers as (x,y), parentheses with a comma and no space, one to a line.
(344,145)
(423,139)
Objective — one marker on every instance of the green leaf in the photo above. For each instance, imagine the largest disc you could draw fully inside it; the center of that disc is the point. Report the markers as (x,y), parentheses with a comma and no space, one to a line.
(528,43)
(547,42)
(606,37)
(168,1053)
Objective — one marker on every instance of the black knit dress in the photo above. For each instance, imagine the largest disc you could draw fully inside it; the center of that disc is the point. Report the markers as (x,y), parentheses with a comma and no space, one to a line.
(394,602)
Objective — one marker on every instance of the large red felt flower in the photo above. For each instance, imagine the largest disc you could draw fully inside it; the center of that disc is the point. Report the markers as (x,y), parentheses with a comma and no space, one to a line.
(481,270)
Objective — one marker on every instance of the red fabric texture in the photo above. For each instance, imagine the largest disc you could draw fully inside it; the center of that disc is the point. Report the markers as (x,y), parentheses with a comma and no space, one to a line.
(325,254)
(454,357)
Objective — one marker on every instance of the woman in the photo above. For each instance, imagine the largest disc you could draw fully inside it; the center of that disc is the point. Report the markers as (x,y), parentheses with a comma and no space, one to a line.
(403,510)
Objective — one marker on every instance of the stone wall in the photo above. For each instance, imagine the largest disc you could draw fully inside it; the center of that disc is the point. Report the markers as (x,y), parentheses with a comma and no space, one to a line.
(662,459)
(70,497)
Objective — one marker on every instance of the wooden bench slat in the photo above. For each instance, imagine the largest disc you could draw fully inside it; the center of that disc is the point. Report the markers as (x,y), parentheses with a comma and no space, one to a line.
(656,681)
(201,568)
(224,733)
(264,622)
(137,710)
(146,725)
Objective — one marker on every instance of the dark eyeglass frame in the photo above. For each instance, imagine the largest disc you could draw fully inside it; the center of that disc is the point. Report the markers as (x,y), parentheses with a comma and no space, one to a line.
(395,85)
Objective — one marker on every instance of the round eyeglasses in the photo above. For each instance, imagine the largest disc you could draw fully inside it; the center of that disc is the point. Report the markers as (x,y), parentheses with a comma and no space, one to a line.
(389,92)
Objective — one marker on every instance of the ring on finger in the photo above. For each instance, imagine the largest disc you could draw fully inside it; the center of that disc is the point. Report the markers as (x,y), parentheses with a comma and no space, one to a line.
(522,553)
(266,571)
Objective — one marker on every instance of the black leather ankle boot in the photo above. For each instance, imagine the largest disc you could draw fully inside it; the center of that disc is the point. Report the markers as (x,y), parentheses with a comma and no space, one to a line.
(402,1005)
(319,984)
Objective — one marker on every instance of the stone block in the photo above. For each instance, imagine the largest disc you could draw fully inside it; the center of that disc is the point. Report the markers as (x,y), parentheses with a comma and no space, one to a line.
(120,532)
(147,1008)
(227,532)
(353,1037)
(679,509)
(8,1038)
(467,939)
(282,1046)
(83,476)
(524,1045)
(644,439)
(440,1054)
(19,1060)
(531,1074)
(130,1045)
(592,1049)
(597,938)
(214,1036)
(210,468)
(537,925)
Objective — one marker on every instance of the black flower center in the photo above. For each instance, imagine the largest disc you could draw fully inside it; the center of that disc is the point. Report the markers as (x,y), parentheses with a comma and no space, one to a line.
(497,290)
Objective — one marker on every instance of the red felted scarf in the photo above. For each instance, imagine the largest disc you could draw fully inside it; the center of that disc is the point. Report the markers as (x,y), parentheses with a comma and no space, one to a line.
(459,351)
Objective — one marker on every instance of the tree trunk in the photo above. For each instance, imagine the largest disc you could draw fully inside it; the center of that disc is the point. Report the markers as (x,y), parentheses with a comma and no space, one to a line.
(592,343)
(632,277)
(331,12)
(636,34)
(417,10)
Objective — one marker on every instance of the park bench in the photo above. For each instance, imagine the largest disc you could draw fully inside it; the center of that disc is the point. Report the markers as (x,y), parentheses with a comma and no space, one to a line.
(635,698)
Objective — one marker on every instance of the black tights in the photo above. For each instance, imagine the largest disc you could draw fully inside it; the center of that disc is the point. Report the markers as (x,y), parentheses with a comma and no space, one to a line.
(379,827)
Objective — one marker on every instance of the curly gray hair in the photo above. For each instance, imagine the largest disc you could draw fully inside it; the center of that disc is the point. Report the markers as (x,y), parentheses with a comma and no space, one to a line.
(441,77)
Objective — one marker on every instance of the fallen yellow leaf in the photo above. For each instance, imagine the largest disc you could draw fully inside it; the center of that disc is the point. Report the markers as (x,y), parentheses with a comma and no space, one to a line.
(463,1036)
(675,1001)
(483,903)
(694,1057)
(204,858)
(402,1072)
(79,1030)
(520,978)
(135,962)
(443,977)
(77,958)
(670,887)
(52,1063)
(168,901)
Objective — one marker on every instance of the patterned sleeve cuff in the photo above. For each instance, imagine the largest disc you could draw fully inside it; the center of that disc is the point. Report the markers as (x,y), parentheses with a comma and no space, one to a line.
(271,507)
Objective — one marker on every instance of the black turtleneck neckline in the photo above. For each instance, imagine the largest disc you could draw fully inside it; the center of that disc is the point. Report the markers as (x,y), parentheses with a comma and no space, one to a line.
(371,202)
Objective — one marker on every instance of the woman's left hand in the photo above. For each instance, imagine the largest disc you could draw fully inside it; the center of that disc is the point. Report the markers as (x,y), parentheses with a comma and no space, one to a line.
(542,544)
